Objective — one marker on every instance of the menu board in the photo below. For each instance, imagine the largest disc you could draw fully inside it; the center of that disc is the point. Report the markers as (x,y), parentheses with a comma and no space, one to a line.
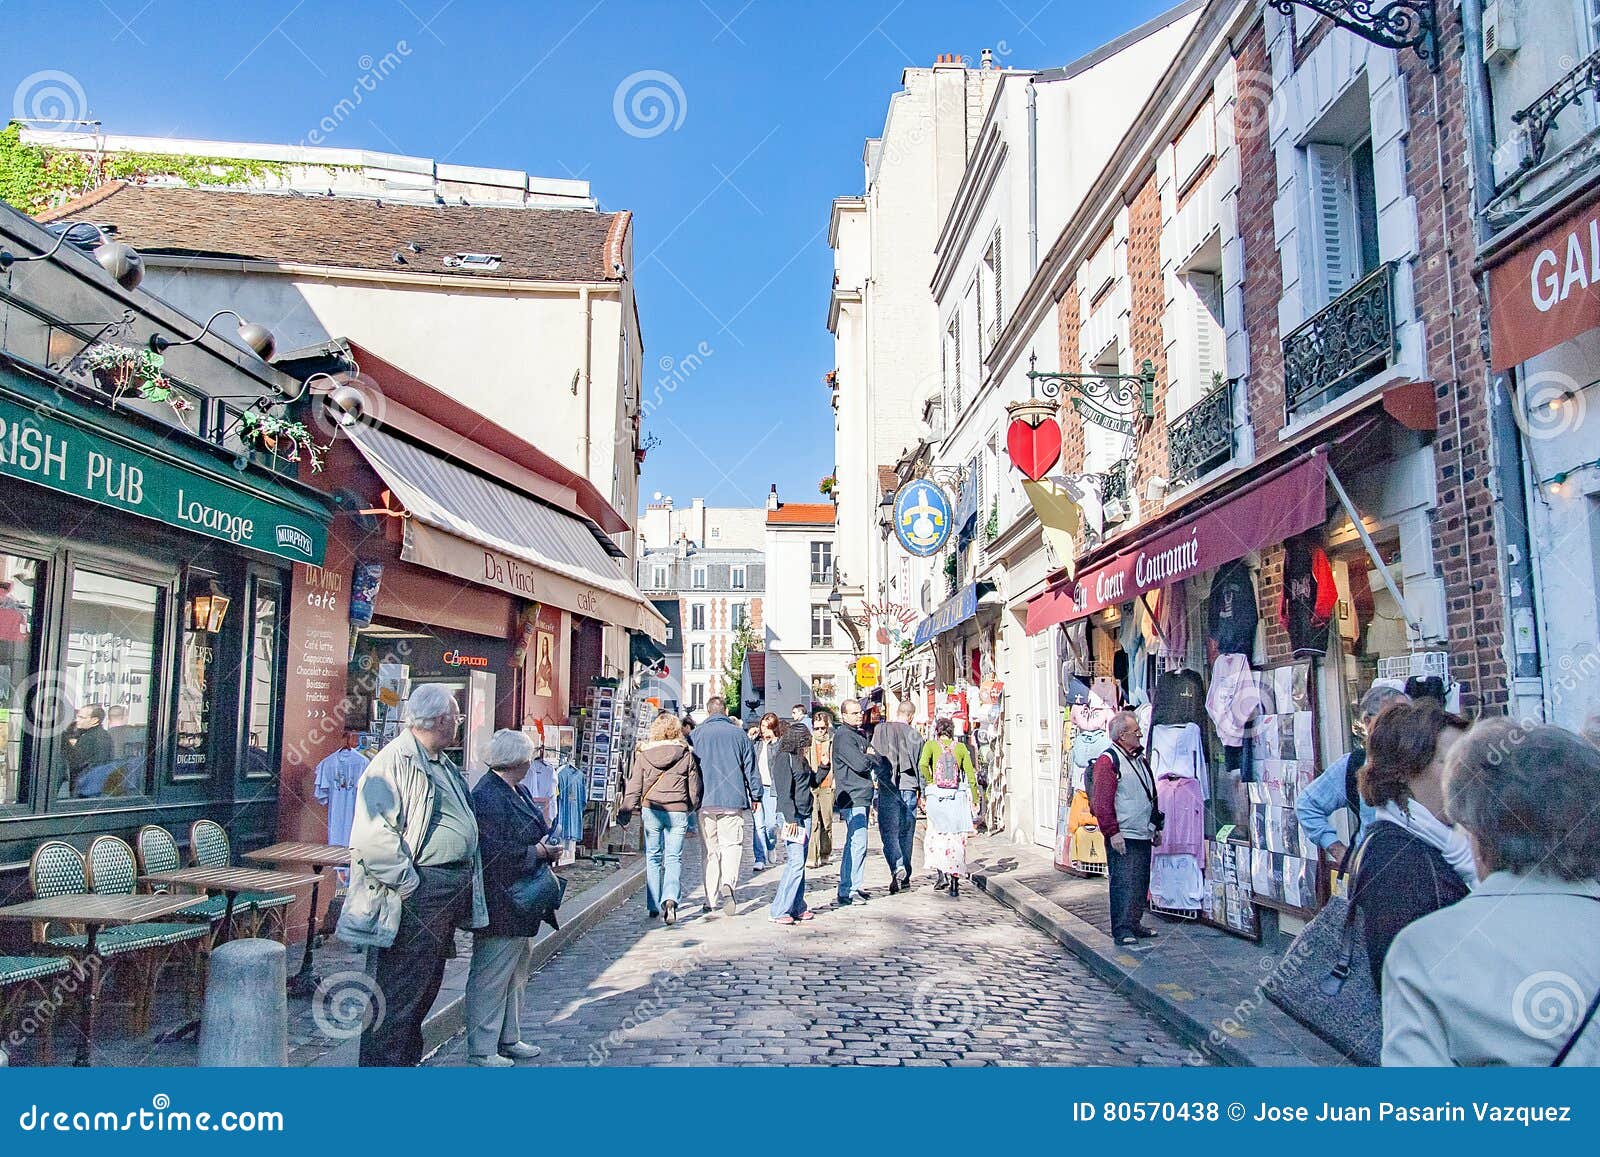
(318,644)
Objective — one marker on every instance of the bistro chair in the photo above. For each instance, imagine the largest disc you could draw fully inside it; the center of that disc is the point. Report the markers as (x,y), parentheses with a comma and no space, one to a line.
(209,847)
(111,872)
(157,851)
(22,985)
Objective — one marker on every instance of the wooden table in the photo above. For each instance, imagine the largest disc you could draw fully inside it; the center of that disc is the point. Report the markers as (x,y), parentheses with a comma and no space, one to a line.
(94,912)
(316,857)
(230,882)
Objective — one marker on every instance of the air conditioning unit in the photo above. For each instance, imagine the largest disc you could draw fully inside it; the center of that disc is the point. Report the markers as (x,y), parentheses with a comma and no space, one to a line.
(1499,32)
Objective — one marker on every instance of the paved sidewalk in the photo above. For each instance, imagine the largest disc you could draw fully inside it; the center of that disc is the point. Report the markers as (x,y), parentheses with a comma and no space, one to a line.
(1205,984)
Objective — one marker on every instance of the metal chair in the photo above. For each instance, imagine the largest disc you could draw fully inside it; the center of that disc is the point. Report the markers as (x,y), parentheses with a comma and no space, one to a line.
(22,984)
(209,847)
(157,851)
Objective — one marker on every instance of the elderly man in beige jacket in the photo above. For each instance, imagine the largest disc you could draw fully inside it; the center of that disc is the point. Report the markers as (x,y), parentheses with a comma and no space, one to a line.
(415,874)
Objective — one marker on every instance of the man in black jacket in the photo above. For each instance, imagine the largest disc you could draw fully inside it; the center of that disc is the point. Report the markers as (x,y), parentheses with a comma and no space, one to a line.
(900,746)
(792,782)
(854,764)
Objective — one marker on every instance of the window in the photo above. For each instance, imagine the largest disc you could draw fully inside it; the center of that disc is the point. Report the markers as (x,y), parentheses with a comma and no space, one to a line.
(1344,217)
(991,274)
(697,696)
(113,636)
(822,563)
(741,615)
(659,579)
(263,693)
(697,657)
(821,627)
(697,578)
(19,662)
(736,578)
(697,616)
(1200,300)
(205,613)
(715,532)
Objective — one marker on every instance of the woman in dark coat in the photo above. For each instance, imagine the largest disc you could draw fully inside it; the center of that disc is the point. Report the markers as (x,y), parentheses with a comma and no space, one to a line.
(793,782)
(511,839)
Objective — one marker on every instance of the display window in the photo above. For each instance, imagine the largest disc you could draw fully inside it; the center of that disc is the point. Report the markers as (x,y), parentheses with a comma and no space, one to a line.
(20,581)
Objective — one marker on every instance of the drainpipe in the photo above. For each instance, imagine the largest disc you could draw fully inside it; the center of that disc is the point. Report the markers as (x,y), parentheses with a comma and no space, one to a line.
(1509,471)
(1033,178)
(584,374)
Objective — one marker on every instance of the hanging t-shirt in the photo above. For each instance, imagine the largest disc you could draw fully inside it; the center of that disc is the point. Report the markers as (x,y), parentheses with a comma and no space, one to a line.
(1180,698)
(1231,613)
(336,780)
(1309,596)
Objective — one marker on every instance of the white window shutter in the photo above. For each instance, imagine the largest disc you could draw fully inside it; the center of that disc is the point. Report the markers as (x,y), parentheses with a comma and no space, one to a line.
(955,345)
(999,298)
(1335,244)
(1209,354)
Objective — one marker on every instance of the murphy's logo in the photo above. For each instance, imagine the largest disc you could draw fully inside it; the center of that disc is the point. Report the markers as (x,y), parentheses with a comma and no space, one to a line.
(295,539)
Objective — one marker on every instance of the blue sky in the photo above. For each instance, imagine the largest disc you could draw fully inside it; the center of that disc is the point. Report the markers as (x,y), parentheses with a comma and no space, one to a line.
(770,103)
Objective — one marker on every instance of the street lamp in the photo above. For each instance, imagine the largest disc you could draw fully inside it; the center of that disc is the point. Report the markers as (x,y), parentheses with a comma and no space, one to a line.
(886,517)
(121,261)
(836,599)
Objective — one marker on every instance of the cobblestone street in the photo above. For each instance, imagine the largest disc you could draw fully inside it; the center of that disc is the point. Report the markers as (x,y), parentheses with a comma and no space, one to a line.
(916,979)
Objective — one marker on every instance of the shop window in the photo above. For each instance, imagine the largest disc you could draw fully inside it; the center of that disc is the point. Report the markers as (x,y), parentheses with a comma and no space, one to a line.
(697,616)
(1343,221)
(821,627)
(822,563)
(736,578)
(113,637)
(19,664)
(263,693)
(205,611)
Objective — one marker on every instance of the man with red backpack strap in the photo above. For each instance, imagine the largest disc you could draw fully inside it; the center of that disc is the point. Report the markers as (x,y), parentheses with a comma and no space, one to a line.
(1122,795)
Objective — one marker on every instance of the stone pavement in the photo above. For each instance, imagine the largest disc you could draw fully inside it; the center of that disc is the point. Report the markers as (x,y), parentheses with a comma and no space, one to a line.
(1207,985)
(916,979)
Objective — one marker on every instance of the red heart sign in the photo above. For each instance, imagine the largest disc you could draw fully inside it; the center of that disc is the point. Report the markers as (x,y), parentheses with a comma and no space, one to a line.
(1034,449)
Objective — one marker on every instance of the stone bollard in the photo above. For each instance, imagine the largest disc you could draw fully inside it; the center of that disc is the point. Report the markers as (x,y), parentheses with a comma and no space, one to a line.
(245,1023)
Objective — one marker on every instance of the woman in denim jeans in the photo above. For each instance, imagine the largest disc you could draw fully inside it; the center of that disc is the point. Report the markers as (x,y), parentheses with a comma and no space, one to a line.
(665,782)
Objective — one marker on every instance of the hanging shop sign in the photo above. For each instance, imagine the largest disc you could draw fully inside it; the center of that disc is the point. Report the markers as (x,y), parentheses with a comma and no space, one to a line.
(1547,290)
(954,611)
(1034,445)
(868,672)
(1275,509)
(48,447)
(922,517)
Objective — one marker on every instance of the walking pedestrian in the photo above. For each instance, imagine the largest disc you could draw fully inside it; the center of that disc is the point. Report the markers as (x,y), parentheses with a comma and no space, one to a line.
(950,786)
(1122,796)
(1510,975)
(732,787)
(512,833)
(821,849)
(900,745)
(665,781)
(1338,789)
(792,780)
(768,735)
(415,873)
(854,768)
(1414,862)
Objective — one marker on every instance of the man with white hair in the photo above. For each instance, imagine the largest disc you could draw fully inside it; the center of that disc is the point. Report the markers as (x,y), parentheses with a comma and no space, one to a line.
(1123,798)
(415,874)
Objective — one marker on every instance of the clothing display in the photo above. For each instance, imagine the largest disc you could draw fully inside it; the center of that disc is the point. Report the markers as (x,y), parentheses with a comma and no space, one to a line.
(1173,622)
(1233,698)
(1183,804)
(541,785)
(336,780)
(1180,750)
(1231,614)
(1309,596)
(1177,883)
(1180,698)
(572,795)
(1345,610)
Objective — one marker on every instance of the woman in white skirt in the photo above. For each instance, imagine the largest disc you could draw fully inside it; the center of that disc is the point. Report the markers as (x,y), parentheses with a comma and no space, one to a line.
(950,789)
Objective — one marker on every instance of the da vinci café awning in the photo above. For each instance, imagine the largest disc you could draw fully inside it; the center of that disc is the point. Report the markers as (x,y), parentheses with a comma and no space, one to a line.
(464,525)
(1287,502)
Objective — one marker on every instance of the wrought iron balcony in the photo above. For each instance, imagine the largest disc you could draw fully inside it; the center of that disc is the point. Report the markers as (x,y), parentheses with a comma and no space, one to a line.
(1115,482)
(1539,118)
(1202,438)
(1341,346)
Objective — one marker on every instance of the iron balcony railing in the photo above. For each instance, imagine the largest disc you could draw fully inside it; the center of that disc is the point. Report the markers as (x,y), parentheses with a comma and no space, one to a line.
(1538,120)
(1202,438)
(1115,482)
(1341,346)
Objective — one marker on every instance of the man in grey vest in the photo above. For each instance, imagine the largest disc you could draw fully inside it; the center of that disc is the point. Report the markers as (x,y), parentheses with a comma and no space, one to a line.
(1123,799)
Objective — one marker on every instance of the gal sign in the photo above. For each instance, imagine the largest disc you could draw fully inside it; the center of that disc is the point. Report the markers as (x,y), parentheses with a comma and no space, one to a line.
(922,517)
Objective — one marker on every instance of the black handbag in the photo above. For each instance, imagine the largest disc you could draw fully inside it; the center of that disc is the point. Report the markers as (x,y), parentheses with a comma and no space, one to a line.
(1324,981)
(539,894)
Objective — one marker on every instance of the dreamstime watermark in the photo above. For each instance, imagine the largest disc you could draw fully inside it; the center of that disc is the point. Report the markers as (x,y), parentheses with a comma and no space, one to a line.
(51,96)
(1550,405)
(1277,971)
(647,1009)
(41,1014)
(373,73)
(648,103)
(347,1004)
(159,1117)
(1547,1005)
(950,1003)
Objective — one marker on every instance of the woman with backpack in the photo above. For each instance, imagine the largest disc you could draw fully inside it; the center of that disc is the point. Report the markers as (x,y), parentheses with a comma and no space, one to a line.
(950,792)
(665,782)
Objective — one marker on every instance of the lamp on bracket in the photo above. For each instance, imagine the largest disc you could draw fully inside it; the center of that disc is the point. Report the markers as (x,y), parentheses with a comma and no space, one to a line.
(121,261)
(257,338)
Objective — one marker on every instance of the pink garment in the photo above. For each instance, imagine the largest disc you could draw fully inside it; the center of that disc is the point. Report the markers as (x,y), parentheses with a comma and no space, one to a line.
(1183,803)
(1233,698)
(1104,701)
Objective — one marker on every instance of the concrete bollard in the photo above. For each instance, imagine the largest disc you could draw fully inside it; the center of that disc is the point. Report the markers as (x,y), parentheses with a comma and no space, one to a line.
(245,1023)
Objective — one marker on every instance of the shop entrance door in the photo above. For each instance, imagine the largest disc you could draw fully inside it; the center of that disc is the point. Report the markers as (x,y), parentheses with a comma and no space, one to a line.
(1046,740)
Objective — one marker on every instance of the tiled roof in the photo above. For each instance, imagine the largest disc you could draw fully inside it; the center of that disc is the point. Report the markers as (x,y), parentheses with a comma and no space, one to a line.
(888,480)
(757,662)
(802,514)
(358,233)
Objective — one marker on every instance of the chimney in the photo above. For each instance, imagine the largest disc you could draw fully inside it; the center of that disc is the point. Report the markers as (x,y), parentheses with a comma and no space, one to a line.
(987,60)
(683,546)
(772,497)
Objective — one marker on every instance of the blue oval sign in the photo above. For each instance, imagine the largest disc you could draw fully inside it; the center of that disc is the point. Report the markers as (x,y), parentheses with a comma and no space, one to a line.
(922,517)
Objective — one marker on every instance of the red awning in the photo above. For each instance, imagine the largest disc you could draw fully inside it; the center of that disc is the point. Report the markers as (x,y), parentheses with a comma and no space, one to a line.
(1286,502)
(1546,290)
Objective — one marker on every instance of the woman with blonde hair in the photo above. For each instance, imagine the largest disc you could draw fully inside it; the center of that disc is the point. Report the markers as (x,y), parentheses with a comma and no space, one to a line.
(665,783)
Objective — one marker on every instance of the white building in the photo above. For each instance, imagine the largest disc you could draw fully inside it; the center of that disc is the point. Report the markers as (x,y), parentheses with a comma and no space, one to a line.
(809,651)
(727,527)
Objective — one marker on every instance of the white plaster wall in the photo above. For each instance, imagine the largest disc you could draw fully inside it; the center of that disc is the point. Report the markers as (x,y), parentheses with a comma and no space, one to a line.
(790,659)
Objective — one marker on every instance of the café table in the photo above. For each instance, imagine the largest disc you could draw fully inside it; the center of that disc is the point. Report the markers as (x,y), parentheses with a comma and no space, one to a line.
(230,882)
(94,912)
(316,857)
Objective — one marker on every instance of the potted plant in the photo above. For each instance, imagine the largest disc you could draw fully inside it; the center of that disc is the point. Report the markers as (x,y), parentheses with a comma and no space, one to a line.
(829,485)
(280,437)
(120,369)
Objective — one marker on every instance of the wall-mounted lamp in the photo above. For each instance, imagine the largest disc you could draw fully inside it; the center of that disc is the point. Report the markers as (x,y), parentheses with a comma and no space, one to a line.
(886,517)
(208,606)
(836,600)
(121,261)
(258,338)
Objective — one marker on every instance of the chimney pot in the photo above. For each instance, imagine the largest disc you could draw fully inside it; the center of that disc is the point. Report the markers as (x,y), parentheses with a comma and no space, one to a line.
(987,60)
